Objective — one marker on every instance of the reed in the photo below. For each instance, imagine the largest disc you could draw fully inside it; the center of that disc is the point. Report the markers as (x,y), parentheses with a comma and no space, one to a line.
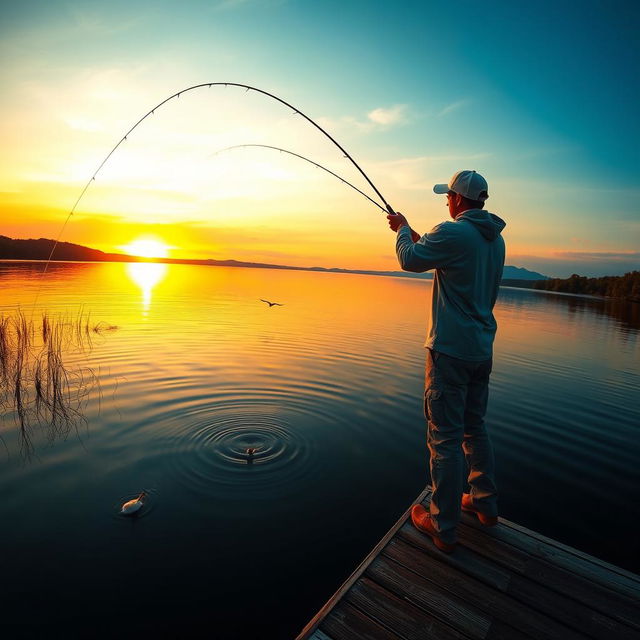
(39,388)
(4,350)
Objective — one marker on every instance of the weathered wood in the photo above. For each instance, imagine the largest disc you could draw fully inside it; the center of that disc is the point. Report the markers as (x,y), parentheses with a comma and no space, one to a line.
(427,595)
(463,559)
(346,622)
(609,575)
(583,618)
(493,602)
(577,587)
(502,583)
(501,631)
(320,635)
(573,561)
(314,623)
(407,620)
(522,603)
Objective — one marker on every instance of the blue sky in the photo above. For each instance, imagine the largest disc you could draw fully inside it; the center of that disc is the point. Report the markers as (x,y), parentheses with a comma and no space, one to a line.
(541,97)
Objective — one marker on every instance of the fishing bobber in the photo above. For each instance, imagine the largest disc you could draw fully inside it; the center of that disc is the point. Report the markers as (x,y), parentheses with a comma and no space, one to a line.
(133,506)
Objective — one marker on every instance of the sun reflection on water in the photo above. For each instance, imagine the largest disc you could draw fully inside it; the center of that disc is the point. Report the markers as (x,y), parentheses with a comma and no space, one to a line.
(146,275)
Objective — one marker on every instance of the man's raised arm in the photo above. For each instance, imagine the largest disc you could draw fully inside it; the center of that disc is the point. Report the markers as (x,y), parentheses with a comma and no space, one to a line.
(420,253)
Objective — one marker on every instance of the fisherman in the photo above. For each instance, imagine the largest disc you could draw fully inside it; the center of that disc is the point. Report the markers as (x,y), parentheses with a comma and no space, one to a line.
(468,257)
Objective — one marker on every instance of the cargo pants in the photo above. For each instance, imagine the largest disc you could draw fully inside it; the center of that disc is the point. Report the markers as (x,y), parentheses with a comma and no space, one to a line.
(455,402)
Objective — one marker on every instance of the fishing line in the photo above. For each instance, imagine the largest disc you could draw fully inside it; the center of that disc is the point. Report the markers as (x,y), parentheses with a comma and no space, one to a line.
(297,155)
(177,95)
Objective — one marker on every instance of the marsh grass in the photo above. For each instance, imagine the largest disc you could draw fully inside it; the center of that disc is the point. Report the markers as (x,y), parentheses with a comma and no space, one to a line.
(44,384)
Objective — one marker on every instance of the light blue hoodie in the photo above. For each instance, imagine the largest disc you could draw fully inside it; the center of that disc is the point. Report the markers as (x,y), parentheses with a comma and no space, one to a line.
(468,256)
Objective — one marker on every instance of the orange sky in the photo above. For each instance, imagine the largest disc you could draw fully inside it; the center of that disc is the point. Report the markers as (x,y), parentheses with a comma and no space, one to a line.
(77,78)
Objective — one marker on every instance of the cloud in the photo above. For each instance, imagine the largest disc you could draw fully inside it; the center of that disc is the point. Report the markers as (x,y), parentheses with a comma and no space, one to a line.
(392,115)
(453,106)
(380,118)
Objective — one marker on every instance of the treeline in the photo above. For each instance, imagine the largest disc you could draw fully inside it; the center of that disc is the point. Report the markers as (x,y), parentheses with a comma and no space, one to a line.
(626,286)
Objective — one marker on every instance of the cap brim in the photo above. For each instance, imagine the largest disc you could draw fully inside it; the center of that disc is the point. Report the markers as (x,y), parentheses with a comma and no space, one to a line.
(441,188)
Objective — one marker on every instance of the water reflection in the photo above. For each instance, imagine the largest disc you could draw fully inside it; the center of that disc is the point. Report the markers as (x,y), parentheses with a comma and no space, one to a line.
(325,389)
(146,275)
(624,312)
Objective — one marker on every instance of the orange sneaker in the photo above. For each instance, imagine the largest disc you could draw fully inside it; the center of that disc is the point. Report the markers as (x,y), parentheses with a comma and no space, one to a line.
(467,505)
(422,521)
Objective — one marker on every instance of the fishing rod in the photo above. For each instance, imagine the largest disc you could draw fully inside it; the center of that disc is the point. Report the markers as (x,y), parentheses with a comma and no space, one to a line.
(297,155)
(177,95)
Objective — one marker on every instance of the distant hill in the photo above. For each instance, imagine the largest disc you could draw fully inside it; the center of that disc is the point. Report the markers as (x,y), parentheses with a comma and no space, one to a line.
(518,273)
(40,249)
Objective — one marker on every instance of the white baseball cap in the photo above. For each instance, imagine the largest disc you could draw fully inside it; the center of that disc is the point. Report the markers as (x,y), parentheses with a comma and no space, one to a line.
(469,184)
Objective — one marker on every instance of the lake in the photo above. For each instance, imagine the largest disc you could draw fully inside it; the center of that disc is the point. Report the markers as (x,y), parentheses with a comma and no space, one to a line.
(328,390)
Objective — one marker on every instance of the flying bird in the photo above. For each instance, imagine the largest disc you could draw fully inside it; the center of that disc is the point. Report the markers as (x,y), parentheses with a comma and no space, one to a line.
(271,304)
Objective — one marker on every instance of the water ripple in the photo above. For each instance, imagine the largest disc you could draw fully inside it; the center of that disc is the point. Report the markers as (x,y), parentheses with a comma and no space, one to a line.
(207,448)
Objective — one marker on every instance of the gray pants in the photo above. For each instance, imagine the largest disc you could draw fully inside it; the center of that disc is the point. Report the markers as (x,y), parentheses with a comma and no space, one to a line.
(455,402)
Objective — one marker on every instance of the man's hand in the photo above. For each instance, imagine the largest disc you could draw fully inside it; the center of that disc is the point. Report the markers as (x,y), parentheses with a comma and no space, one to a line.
(396,221)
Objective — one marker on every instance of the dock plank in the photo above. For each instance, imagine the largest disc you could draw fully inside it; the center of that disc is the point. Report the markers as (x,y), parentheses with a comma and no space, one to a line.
(351,580)
(557,578)
(428,596)
(346,622)
(404,618)
(502,583)
(521,602)
(495,603)
(609,575)
(579,564)
(320,635)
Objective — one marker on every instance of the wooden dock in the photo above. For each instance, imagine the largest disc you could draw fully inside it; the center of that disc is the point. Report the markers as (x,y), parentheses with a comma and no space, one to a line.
(501,583)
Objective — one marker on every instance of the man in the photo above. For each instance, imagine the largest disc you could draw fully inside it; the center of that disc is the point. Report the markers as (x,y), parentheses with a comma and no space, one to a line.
(468,257)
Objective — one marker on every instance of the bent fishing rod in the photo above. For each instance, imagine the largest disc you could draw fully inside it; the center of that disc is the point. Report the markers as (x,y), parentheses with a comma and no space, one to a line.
(177,95)
(313,162)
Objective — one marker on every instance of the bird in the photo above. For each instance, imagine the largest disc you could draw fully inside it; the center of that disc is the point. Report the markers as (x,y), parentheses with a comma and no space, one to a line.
(133,506)
(271,304)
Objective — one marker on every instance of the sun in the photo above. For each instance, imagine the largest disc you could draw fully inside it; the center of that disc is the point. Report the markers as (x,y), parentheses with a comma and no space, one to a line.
(147,248)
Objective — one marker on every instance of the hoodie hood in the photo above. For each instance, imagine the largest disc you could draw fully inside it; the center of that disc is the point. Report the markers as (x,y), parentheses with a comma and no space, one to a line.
(488,224)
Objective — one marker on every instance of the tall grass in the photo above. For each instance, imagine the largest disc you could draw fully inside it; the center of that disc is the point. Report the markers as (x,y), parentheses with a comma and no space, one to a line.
(39,388)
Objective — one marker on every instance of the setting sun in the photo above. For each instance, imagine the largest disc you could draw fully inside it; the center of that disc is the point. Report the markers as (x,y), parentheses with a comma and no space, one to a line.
(147,248)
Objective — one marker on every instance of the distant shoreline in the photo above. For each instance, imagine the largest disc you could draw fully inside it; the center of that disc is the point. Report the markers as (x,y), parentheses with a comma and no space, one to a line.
(38,250)
(625,287)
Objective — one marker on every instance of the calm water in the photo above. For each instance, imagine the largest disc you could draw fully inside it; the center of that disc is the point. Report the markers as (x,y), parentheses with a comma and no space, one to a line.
(328,389)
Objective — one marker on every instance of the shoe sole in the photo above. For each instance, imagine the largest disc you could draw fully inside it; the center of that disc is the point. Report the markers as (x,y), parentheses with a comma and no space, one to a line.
(487,521)
(443,546)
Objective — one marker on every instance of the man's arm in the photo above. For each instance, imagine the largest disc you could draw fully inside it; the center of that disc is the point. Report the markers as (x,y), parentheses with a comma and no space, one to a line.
(421,253)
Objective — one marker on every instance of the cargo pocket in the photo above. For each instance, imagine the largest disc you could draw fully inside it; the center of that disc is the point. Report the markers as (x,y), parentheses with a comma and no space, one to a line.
(432,404)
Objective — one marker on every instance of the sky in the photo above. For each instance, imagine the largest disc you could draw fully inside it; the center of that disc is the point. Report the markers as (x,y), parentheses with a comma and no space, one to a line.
(541,98)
